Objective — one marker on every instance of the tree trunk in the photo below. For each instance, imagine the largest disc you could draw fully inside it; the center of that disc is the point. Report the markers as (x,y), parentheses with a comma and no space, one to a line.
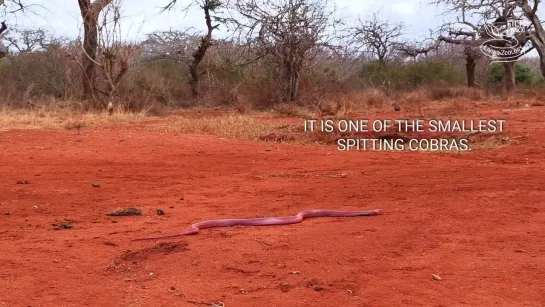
(89,13)
(198,56)
(194,81)
(541,53)
(470,70)
(3,52)
(509,76)
(537,36)
(90,46)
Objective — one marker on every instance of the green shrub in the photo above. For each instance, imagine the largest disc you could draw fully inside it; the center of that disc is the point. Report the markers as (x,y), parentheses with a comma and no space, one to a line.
(412,74)
(523,74)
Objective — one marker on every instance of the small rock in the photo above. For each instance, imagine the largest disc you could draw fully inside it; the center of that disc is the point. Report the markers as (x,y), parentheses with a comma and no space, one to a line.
(344,175)
(96,185)
(318,288)
(316,285)
(284,287)
(23,182)
(63,225)
(397,108)
(160,212)
(268,149)
(171,207)
(7,213)
(181,198)
(436,277)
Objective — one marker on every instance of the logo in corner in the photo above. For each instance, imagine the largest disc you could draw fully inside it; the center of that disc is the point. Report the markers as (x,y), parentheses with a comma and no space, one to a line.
(502,43)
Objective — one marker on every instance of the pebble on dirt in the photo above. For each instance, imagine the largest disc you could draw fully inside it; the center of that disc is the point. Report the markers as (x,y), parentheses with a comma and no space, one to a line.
(7,213)
(96,185)
(284,287)
(23,182)
(63,225)
(436,277)
(160,212)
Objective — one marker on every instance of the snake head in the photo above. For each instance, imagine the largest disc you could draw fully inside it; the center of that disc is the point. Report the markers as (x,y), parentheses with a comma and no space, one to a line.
(377,212)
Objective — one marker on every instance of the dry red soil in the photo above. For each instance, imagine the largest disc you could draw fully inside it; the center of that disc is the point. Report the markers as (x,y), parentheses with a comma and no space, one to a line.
(477,220)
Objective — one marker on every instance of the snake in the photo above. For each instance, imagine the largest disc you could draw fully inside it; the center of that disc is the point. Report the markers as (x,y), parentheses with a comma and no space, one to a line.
(264,221)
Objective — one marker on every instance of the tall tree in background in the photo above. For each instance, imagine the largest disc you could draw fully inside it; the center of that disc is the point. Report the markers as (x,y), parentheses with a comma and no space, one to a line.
(472,29)
(289,33)
(209,7)
(537,33)
(10,7)
(90,12)
(378,37)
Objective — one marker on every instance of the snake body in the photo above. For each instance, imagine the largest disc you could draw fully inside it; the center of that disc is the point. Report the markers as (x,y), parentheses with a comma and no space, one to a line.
(264,221)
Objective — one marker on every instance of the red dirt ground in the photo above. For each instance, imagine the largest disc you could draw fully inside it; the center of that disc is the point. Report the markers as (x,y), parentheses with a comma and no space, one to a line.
(475,219)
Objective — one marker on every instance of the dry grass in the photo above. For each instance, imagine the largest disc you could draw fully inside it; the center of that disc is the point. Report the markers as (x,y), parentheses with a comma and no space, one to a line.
(290,110)
(201,121)
(483,141)
(231,126)
(56,118)
(375,98)
(441,93)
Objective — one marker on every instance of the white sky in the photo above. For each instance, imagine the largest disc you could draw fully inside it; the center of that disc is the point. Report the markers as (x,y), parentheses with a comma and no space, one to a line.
(61,17)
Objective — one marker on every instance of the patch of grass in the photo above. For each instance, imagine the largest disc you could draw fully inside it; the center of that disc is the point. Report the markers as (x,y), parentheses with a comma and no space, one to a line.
(231,126)
(291,110)
(59,118)
(482,141)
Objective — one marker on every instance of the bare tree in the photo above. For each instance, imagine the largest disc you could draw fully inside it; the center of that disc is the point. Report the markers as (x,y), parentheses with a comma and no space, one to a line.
(174,45)
(9,7)
(209,7)
(474,30)
(28,40)
(13,6)
(537,33)
(3,49)
(378,37)
(90,12)
(112,57)
(290,33)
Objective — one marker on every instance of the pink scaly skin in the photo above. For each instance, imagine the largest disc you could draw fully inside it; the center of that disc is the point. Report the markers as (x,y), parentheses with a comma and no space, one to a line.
(264,221)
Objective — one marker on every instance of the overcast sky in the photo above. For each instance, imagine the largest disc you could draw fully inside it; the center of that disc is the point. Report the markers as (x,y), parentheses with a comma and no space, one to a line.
(61,17)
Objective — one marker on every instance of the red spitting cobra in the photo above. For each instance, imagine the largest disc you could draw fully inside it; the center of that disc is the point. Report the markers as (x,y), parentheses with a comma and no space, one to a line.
(264,221)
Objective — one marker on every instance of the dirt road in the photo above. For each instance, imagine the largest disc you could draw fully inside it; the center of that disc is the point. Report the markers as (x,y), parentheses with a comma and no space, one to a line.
(476,220)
